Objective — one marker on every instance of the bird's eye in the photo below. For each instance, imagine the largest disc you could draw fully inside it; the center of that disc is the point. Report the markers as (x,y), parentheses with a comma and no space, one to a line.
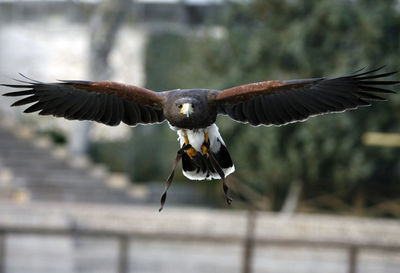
(179,106)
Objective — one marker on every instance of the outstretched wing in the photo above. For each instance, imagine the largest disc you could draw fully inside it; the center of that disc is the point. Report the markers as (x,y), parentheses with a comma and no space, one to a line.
(104,102)
(282,102)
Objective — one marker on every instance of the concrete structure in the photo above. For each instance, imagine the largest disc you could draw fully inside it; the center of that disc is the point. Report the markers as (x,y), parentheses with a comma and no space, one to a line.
(31,169)
(53,237)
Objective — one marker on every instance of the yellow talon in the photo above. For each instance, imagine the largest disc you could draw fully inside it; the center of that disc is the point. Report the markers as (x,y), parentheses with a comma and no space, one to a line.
(191,152)
(204,150)
(186,140)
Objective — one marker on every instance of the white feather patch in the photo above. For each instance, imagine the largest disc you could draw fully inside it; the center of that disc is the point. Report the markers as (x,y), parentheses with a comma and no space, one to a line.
(215,138)
(194,175)
(196,137)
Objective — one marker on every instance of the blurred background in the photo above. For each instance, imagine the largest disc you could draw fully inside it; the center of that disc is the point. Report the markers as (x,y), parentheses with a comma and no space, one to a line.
(312,196)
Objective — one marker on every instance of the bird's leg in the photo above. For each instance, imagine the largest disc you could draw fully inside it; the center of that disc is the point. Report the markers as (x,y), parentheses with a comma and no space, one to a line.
(221,173)
(191,152)
(179,154)
(206,145)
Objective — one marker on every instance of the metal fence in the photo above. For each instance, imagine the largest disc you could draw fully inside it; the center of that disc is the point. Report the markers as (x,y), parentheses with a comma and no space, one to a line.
(248,242)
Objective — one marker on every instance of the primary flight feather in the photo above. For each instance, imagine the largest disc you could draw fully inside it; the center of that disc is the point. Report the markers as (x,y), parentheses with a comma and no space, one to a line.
(193,112)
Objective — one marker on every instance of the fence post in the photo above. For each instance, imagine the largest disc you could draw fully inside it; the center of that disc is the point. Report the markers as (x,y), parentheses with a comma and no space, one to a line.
(249,242)
(123,254)
(353,253)
(2,252)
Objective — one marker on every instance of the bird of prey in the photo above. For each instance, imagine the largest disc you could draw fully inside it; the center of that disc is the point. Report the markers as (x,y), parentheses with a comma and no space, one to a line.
(193,112)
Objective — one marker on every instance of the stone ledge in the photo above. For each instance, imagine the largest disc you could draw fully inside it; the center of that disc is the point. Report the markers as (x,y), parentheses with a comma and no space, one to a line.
(200,222)
(115,181)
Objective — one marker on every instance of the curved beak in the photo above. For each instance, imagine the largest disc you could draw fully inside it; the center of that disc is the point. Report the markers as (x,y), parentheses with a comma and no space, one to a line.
(187,109)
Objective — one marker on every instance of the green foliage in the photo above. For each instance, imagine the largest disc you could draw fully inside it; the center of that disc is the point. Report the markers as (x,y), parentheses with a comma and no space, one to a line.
(114,154)
(165,54)
(153,149)
(296,39)
(55,136)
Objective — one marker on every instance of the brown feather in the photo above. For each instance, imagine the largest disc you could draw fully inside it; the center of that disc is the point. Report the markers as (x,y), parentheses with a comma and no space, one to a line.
(128,92)
(104,102)
(282,102)
(248,91)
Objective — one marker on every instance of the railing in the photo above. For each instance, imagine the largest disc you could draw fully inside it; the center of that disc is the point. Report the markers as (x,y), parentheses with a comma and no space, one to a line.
(353,248)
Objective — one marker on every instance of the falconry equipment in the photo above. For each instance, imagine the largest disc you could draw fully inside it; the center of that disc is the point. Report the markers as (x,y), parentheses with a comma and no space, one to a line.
(192,112)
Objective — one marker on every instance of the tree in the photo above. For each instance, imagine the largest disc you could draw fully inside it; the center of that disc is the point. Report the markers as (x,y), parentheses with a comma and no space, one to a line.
(299,39)
(104,25)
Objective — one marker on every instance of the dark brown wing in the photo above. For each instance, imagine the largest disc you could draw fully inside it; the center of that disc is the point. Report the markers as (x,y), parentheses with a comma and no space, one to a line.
(282,102)
(104,102)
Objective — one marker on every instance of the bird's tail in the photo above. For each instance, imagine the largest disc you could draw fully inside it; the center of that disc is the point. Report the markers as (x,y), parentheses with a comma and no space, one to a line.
(211,160)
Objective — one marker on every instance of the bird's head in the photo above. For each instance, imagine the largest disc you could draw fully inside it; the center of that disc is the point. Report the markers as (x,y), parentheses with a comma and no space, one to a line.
(185,112)
(186,106)
(189,109)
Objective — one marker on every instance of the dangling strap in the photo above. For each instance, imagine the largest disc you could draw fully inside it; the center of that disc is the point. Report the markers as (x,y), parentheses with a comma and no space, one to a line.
(221,173)
(171,176)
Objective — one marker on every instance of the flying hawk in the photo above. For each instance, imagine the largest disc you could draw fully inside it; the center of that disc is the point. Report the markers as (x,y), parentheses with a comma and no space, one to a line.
(192,112)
